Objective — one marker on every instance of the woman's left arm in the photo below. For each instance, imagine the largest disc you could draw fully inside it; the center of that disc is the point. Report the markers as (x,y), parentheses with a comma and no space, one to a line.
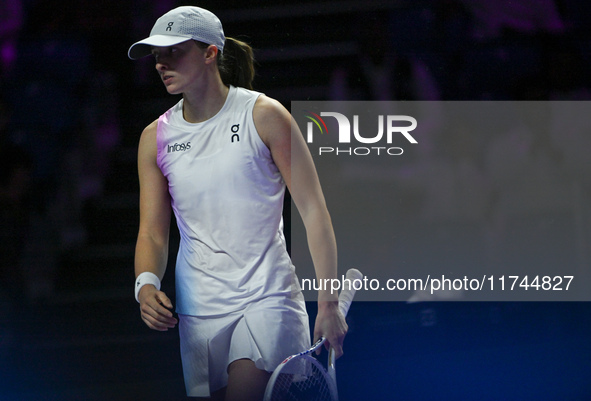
(291,155)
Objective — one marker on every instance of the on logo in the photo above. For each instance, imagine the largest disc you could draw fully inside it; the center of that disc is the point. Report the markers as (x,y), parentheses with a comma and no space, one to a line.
(235,129)
(169,27)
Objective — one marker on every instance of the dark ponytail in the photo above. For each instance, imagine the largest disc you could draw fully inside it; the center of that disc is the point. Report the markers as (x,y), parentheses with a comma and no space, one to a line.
(236,64)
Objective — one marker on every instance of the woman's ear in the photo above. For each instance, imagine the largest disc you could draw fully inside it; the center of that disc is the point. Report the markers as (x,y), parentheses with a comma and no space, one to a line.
(211,53)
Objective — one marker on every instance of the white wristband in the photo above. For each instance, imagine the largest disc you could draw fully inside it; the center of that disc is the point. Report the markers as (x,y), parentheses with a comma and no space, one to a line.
(143,279)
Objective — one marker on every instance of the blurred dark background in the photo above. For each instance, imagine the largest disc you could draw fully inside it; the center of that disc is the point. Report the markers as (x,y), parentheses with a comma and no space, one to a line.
(73,106)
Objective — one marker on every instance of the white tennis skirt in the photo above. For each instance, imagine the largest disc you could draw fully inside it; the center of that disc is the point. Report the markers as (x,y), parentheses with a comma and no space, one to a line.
(266,332)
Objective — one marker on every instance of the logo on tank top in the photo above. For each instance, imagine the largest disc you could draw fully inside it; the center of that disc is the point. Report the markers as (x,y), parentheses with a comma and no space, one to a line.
(178,147)
(235,137)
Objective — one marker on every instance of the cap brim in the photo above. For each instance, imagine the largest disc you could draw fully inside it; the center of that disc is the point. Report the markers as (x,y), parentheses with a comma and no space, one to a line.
(144,47)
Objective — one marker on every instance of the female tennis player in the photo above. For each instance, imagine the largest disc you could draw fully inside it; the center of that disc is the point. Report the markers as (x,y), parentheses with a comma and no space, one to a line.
(221,159)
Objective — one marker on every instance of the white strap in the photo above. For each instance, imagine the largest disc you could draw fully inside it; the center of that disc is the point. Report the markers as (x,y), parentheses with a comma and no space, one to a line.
(143,279)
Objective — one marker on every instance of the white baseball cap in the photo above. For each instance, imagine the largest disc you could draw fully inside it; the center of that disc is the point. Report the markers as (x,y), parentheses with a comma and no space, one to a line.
(179,25)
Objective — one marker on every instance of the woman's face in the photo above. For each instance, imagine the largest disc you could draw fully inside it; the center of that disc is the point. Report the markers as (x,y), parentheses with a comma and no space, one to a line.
(181,66)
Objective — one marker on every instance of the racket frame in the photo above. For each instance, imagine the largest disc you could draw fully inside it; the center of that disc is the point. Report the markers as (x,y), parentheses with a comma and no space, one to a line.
(329,372)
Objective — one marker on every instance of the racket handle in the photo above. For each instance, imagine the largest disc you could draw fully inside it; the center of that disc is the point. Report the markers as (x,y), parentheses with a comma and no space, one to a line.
(348,292)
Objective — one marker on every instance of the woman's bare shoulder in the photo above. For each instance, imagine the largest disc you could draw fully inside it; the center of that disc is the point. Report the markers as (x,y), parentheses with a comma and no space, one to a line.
(271,118)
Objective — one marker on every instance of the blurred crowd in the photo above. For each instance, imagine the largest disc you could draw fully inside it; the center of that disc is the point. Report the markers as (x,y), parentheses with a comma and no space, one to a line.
(470,50)
(63,71)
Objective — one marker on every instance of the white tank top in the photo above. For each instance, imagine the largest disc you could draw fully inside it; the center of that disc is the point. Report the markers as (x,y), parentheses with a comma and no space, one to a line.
(227,196)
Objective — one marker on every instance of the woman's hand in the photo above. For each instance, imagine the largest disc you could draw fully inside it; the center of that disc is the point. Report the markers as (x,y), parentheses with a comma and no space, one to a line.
(155,308)
(330,324)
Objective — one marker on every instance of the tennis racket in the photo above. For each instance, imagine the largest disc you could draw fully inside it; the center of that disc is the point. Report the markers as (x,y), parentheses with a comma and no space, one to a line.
(301,377)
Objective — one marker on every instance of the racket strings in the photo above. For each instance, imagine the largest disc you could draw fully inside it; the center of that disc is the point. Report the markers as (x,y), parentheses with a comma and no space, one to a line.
(309,383)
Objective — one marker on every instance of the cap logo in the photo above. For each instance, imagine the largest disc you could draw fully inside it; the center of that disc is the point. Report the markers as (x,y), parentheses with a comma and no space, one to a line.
(178,26)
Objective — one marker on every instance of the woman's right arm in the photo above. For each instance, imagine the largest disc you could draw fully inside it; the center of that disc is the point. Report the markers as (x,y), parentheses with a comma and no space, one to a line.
(151,252)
